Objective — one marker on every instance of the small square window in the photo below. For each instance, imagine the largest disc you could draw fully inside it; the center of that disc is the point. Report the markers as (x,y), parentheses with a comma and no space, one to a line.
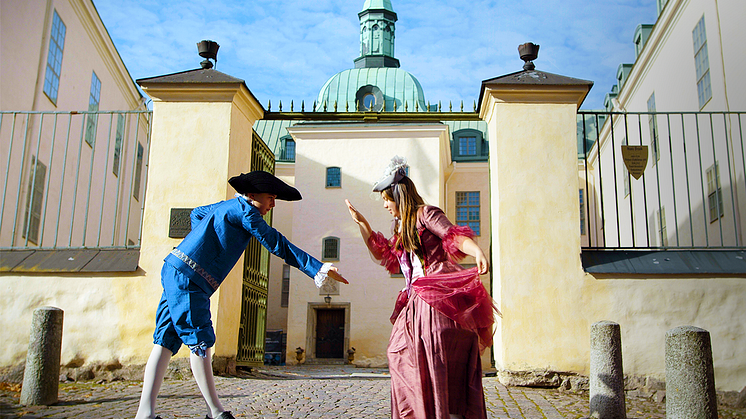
(467,146)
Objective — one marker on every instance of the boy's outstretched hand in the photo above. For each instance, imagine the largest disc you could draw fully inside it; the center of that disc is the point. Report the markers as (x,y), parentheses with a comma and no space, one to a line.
(334,274)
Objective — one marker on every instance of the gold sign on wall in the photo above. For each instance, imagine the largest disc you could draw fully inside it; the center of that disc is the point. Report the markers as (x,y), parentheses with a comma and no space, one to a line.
(635,158)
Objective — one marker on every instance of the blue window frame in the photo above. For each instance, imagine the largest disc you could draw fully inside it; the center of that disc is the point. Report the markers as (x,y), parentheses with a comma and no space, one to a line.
(333,177)
(467,210)
(467,146)
(54,58)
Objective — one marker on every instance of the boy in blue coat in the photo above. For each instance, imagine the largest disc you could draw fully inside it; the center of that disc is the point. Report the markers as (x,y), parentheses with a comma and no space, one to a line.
(199,264)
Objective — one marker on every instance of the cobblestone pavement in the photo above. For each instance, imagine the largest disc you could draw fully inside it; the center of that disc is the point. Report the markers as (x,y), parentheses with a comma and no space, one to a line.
(304,392)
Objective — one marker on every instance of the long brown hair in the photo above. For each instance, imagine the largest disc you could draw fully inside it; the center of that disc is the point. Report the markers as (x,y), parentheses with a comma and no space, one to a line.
(408,201)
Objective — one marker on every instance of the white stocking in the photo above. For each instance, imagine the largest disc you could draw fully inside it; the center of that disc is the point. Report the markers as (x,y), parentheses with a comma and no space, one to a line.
(202,371)
(155,370)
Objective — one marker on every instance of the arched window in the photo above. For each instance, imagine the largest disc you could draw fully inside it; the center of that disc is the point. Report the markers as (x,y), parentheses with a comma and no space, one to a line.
(287,152)
(330,248)
(469,145)
(333,177)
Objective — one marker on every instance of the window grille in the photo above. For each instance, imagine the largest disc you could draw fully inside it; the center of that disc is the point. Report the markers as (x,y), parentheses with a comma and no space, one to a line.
(467,210)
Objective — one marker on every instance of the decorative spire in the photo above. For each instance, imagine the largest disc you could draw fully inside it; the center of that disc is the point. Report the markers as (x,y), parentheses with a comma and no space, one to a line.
(377,35)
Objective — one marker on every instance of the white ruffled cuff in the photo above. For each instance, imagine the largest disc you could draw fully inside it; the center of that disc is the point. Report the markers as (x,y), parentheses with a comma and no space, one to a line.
(321,277)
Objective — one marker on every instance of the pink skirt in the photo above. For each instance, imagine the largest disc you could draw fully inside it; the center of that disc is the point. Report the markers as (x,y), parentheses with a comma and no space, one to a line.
(433,359)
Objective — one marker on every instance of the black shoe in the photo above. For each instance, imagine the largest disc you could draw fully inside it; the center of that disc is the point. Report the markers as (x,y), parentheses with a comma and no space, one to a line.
(224,415)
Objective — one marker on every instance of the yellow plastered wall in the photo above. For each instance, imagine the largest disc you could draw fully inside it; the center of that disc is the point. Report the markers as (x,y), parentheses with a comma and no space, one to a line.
(548,301)
(201,137)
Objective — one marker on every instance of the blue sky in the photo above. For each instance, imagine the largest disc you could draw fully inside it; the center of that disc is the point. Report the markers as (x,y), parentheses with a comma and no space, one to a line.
(287,49)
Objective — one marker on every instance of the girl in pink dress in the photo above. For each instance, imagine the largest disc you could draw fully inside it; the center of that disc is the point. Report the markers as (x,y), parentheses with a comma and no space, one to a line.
(443,317)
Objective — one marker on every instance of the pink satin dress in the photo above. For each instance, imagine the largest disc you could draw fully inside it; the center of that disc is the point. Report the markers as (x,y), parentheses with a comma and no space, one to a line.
(442,322)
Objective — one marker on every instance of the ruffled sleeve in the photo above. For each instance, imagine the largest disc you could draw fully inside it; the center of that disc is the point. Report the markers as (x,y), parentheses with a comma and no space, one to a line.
(382,250)
(322,276)
(436,221)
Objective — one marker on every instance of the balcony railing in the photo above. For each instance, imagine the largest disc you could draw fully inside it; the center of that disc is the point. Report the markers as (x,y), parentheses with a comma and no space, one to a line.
(73,180)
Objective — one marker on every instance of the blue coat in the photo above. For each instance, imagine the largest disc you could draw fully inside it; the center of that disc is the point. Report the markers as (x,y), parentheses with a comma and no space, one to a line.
(220,234)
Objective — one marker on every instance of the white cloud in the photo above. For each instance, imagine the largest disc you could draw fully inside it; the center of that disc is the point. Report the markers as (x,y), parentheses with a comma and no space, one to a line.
(287,49)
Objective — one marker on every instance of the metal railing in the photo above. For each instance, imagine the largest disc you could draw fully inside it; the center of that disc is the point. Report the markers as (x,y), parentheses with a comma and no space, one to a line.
(73,180)
(691,193)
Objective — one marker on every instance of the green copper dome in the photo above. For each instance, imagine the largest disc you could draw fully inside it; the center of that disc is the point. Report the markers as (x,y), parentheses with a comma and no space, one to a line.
(371,87)
(376,81)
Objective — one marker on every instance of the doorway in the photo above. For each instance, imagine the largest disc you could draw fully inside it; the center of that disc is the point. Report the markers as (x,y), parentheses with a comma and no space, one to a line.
(330,333)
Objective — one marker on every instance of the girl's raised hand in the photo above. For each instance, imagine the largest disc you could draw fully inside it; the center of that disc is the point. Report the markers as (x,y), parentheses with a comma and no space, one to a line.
(356,216)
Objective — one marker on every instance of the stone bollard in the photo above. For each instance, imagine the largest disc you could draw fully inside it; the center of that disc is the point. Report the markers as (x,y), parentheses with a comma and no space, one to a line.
(607,374)
(690,378)
(42,373)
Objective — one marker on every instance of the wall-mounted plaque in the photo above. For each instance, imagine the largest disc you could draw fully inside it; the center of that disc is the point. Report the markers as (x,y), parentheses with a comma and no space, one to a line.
(180,224)
(635,158)
(329,288)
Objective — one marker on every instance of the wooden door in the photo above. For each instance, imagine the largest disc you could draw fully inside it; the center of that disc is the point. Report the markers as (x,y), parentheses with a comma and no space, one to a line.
(330,333)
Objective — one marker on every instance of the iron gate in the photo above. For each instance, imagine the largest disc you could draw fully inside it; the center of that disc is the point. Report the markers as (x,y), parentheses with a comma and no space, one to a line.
(252,330)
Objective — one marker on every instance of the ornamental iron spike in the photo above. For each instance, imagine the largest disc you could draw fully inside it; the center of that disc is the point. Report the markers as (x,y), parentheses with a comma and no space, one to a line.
(291,105)
(335,106)
(428,106)
(269,105)
(475,106)
(450,106)
(416,106)
(314,106)
(439,108)
(406,106)
(303,105)
(395,105)
(347,106)
(280,106)
(324,105)
(462,105)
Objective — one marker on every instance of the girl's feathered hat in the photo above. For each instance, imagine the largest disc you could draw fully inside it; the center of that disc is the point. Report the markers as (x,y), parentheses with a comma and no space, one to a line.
(262,182)
(393,174)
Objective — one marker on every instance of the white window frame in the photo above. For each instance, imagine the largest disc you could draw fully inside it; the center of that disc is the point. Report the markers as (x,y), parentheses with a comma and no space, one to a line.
(702,63)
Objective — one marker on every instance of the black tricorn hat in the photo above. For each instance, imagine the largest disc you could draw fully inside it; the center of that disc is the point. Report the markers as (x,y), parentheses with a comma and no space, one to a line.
(262,182)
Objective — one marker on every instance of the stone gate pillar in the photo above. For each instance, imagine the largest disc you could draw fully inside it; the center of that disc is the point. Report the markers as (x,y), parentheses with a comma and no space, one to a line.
(201,136)
(531,117)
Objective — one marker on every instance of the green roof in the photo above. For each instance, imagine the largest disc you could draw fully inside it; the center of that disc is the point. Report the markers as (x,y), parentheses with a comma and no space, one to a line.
(396,85)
